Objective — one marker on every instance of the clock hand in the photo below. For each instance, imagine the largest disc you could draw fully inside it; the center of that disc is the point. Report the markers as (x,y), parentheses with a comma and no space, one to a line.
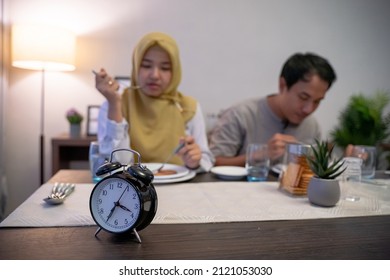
(112,211)
(124,208)
(117,203)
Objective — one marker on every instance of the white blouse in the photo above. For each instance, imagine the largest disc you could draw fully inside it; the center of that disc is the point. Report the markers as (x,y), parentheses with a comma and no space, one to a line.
(113,135)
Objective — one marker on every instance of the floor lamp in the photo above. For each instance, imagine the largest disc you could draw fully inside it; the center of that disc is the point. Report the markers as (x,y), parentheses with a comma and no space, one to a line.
(43,48)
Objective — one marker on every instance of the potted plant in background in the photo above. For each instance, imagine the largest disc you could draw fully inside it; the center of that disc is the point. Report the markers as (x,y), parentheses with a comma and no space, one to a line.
(75,119)
(363,121)
(324,188)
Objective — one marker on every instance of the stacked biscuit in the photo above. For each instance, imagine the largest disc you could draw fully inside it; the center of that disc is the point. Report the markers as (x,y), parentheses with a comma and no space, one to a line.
(296,177)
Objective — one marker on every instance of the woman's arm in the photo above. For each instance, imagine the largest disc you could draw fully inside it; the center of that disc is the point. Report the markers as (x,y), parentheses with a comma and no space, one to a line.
(197,129)
(113,135)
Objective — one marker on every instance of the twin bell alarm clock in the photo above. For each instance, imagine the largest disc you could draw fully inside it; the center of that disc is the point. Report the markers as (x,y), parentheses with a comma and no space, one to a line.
(125,200)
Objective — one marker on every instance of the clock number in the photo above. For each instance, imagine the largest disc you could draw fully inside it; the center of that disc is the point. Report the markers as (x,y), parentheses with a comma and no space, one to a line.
(120,185)
(116,222)
(101,211)
(126,221)
(100,201)
(111,186)
(104,192)
(134,196)
(136,206)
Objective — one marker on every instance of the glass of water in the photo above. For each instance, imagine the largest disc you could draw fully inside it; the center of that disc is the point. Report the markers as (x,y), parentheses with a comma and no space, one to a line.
(351,177)
(96,159)
(368,156)
(257,162)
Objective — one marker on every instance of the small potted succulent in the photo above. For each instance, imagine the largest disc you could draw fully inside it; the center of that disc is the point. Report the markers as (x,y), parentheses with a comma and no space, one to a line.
(324,188)
(75,119)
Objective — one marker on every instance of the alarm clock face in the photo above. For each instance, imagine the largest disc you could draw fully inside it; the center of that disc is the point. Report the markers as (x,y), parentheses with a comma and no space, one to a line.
(115,205)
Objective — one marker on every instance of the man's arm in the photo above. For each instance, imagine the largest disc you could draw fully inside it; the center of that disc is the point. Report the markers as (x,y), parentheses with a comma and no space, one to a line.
(276,148)
(231,161)
(226,140)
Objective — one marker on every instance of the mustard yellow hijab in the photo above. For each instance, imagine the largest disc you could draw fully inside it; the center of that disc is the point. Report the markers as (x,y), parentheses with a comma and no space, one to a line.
(157,123)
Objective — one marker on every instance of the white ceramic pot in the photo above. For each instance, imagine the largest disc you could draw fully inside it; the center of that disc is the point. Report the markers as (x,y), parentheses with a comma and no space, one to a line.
(323,192)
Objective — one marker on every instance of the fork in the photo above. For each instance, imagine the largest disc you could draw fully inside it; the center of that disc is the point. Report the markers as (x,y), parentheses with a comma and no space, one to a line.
(59,192)
(174,152)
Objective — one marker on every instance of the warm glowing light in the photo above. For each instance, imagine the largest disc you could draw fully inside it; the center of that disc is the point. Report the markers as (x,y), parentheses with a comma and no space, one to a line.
(43,48)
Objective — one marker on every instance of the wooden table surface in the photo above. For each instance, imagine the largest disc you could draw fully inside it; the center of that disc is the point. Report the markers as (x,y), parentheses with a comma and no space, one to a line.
(342,238)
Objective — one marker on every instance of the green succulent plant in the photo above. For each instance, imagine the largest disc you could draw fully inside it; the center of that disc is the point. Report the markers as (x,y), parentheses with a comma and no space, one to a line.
(363,121)
(320,161)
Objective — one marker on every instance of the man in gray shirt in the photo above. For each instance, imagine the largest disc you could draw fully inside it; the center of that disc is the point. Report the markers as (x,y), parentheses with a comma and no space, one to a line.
(278,118)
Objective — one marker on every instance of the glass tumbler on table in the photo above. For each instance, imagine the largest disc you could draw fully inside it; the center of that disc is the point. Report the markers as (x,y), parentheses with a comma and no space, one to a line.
(257,162)
(351,178)
(368,156)
(96,159)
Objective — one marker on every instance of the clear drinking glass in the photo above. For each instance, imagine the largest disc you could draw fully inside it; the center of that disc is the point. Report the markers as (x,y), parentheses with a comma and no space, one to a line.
(351,178)
(96,159)
(368,156)
(257,162)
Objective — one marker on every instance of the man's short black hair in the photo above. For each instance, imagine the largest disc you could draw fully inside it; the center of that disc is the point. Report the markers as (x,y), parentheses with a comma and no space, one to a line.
(301,66)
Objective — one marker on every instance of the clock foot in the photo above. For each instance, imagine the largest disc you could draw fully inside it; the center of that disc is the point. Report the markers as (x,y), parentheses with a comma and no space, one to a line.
(136,235)
(97,231)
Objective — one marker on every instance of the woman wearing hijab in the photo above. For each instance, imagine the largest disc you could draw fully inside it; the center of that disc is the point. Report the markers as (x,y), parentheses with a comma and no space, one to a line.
(152,116)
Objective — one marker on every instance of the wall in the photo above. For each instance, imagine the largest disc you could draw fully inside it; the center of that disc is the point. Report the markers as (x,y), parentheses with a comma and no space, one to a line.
(230,50)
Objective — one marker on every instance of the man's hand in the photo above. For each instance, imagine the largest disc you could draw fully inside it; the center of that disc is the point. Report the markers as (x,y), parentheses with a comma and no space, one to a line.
(277,144)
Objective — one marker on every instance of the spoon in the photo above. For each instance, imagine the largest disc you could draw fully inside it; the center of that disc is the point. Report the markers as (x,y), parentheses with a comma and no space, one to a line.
(59,192)
(174,152)
(110,82)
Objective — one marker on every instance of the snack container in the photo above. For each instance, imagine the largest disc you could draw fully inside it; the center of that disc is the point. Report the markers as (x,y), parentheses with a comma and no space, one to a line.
(297,174)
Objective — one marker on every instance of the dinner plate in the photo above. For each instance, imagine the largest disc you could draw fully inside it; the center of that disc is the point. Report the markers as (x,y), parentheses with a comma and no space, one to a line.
(191,174)
(180,170)
(229,172)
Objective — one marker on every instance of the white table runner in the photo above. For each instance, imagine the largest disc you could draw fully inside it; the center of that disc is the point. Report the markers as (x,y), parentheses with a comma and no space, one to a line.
(205,203)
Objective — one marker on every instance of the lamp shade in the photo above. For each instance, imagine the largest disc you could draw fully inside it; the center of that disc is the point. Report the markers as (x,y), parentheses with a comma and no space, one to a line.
(43,48)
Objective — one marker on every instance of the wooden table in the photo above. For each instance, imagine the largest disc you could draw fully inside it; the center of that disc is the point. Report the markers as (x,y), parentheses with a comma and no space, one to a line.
(342,238)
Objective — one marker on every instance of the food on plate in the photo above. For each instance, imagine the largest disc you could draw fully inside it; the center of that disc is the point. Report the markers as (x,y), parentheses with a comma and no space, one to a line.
(165,172)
